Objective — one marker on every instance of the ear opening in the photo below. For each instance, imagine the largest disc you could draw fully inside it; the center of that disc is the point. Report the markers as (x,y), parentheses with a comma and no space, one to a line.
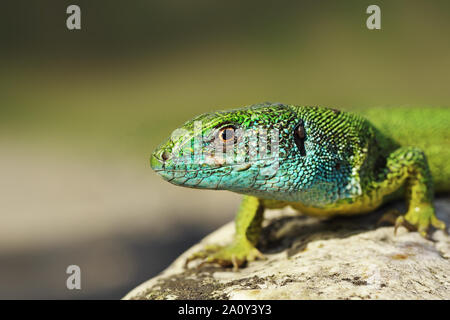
(299,137)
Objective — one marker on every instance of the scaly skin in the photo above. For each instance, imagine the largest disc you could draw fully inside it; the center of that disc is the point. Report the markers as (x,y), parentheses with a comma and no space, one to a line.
(324,162)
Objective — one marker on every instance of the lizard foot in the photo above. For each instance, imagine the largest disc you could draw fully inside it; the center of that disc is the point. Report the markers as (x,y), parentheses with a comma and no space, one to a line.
(420,218)
(235,254)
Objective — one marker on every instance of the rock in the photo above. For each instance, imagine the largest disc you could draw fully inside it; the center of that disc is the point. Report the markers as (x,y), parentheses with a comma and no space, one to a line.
(309,258)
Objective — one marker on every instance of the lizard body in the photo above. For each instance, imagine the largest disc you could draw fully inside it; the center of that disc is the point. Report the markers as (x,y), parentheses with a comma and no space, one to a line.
(320,161)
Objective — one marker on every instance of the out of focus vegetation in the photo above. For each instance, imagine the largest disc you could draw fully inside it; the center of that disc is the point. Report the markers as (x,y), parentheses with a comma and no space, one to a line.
(139,68)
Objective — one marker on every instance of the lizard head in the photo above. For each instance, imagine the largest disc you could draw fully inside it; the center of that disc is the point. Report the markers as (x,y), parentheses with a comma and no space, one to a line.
(272,151)
(237,150)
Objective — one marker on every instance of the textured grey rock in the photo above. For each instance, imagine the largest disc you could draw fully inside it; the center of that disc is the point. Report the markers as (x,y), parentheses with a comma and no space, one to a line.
(308,258)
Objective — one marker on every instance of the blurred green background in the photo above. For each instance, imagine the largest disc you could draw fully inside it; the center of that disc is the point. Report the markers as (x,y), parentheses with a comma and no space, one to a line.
(81,111)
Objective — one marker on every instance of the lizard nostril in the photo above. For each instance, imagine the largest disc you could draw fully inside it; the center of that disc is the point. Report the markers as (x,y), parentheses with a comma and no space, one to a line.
(165,156)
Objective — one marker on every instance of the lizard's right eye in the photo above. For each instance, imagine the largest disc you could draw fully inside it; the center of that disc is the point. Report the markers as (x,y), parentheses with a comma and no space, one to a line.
(227,134)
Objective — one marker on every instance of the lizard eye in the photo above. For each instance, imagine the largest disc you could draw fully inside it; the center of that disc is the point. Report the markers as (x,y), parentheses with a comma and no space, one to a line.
(299,137)
(227,134)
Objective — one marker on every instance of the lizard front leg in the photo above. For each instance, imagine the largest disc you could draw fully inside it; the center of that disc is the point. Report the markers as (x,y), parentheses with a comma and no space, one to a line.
(408,167)
(248,223)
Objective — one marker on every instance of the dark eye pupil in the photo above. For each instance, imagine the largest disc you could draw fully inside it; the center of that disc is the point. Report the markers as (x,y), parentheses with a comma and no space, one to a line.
(227,134)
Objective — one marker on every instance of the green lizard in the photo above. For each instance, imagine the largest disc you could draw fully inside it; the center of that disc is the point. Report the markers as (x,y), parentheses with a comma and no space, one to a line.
(320,161)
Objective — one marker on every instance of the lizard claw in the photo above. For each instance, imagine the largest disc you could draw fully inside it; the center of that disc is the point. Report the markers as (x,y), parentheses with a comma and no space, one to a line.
(235,263)
(402,222)
(390,217)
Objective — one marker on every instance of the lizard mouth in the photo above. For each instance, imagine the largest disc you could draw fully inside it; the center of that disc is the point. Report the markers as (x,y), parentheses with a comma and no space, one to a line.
(158,166)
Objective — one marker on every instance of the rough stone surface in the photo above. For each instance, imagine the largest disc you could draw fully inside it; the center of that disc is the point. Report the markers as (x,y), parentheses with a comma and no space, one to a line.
(308,258)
